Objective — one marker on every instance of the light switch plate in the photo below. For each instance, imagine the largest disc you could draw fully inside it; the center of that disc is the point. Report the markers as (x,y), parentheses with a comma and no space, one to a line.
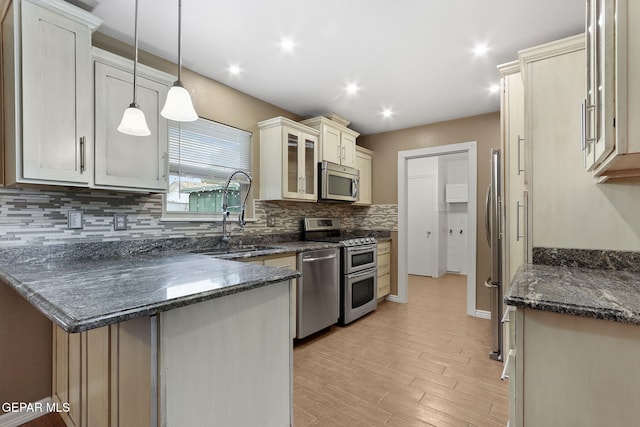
(271,221)
(75,220)
(120,222)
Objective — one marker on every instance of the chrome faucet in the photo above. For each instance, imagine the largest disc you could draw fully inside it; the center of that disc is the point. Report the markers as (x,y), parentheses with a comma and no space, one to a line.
(225,208)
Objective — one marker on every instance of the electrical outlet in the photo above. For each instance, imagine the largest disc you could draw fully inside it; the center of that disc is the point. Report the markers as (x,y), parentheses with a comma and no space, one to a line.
(75,220)
(120,221)
(271,221)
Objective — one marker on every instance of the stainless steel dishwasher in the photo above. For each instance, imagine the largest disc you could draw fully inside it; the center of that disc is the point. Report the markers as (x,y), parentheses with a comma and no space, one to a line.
(318,300)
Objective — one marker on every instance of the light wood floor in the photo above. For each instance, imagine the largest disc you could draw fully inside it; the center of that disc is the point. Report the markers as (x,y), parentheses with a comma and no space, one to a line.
(425,363)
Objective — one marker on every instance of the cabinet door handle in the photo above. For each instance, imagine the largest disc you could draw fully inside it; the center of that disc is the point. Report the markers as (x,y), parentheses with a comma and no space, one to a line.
(505,370)
(83,156)
(583,134)
(518,235)
(520,140)
(505,316)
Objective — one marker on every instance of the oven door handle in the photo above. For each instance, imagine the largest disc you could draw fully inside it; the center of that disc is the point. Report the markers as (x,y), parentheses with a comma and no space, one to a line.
(368,272)
(362,249)
(322,258)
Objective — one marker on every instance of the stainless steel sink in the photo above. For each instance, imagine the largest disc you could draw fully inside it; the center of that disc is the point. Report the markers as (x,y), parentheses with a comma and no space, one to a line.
(233,250)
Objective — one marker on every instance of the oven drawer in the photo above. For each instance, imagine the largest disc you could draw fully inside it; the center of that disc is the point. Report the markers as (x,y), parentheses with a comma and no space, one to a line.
(384,264)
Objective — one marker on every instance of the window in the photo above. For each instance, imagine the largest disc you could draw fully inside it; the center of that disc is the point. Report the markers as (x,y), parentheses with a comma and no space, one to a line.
(202,155)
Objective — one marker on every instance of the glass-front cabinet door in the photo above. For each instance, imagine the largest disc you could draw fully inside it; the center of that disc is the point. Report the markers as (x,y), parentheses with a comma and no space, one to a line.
(598,114)
(291,177)
(310,169)
(300,172)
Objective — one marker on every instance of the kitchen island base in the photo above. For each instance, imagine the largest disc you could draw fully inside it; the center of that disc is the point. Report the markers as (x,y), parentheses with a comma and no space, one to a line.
(226,361)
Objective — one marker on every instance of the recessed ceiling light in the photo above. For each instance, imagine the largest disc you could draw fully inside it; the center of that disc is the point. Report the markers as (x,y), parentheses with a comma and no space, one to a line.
(352,88)
(494,88)
(387,112)
(481,49)
(287,44)
(235,69)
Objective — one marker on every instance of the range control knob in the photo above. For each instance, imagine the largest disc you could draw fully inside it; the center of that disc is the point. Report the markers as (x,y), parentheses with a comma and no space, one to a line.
(351,242)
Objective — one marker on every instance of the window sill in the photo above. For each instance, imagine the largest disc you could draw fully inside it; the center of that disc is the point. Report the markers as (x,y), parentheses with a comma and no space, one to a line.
(216,219)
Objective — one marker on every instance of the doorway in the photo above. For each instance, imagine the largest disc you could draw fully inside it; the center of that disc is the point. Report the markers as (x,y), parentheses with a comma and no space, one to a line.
(404,188)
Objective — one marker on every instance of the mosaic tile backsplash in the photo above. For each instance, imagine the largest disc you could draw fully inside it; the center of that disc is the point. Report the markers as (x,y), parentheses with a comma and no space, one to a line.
(35,216)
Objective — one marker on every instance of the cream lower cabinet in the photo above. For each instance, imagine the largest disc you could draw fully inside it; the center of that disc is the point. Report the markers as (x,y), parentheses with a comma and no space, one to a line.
(363,164)
(384,269)
(290,262)
(104,376)
(123,161)
(573,371)
(46,77)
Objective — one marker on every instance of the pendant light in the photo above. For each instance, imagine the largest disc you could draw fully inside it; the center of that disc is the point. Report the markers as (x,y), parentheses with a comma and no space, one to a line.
(178,106)
(133,121)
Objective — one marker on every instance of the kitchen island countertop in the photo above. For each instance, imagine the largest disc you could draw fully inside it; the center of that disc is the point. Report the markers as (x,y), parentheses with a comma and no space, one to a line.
(601,294)
(79,295)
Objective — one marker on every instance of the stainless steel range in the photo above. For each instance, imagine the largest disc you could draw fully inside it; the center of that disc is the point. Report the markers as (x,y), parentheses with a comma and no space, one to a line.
(358,267)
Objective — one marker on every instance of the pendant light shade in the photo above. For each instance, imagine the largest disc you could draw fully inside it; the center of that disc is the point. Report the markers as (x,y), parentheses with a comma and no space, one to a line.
(133,121)
(178,106)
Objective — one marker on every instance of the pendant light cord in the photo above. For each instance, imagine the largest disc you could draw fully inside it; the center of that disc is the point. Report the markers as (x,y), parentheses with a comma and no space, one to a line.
(179,39)
(135,61)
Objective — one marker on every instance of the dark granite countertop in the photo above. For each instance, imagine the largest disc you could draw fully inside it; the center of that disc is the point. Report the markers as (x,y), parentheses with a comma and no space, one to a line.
(602,294)
(84,294)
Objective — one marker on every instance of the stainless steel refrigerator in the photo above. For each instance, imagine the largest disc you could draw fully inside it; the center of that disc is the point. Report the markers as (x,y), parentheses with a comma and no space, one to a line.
(494,237)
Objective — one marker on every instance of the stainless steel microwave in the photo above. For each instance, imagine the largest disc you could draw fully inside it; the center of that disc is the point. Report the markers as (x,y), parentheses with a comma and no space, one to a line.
(337,183)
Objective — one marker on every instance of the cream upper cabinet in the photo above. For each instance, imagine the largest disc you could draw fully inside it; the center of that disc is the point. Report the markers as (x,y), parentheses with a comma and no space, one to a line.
(337,142)
(125,161)
(288,160)
(363,164)
(553,77)
(48,124)
(514,169)
(611,135)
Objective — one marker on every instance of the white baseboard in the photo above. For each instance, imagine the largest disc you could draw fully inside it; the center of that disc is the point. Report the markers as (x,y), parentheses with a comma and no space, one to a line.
(482,314)
(392,298)
(13,419)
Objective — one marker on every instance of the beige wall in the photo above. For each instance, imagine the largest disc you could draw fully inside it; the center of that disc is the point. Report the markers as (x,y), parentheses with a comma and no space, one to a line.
(485,129)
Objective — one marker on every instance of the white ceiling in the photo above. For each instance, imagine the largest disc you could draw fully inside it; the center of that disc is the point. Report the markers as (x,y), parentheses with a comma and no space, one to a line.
(413,56)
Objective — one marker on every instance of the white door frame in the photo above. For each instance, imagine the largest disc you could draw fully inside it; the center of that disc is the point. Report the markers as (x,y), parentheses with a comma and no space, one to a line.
(471,148)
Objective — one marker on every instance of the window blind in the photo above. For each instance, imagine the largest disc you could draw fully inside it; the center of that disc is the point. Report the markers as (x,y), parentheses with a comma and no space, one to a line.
(208,149)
